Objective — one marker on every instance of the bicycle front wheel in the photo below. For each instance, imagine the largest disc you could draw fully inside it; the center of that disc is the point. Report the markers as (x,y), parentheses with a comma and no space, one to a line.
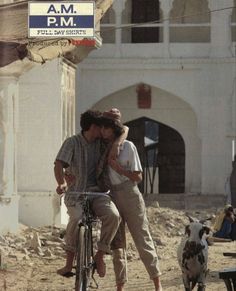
(81,278)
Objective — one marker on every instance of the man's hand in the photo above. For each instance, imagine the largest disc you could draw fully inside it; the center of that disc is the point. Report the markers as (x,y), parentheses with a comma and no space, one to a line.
(62,188)
(70,179)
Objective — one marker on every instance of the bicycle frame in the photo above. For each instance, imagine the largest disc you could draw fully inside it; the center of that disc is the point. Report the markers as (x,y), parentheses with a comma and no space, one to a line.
(84,255)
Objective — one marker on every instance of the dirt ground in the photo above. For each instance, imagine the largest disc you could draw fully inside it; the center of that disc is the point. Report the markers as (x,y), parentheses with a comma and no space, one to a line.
(26,266)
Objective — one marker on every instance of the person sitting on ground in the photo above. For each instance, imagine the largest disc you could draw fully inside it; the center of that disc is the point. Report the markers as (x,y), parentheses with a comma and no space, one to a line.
(223,223)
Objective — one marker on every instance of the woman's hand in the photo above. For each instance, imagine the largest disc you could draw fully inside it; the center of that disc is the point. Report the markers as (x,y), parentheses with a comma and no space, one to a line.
(114,151)
(133,176)
(115,166)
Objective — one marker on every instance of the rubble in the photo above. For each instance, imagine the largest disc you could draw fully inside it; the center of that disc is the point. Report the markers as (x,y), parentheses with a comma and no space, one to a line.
(30,258)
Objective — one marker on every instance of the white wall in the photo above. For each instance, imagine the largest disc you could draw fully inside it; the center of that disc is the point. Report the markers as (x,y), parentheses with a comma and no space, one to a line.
(192,96)
(39,127)
(46,118)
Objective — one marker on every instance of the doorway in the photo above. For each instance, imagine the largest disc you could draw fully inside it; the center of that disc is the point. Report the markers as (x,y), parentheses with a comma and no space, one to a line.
(162,153)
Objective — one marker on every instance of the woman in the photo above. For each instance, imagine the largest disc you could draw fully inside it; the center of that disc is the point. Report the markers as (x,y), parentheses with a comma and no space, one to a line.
(224,223)
(123,174)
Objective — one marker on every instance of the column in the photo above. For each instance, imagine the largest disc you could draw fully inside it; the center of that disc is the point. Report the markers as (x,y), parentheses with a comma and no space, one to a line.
(8,129)
(166,6)
(118,7)
(221,28)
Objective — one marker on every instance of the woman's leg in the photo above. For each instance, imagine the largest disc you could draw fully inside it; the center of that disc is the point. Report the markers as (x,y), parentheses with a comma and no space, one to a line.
(134,212)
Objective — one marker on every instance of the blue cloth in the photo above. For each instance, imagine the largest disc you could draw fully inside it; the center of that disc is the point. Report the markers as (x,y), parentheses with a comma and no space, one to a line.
(233,231)
(225,230)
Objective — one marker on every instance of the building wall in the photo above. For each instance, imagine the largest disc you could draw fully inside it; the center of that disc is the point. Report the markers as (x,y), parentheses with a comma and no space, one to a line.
(191,71)
(39,127)
(193,97)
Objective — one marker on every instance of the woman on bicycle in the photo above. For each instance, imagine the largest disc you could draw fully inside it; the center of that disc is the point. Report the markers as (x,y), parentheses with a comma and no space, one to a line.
(123,175)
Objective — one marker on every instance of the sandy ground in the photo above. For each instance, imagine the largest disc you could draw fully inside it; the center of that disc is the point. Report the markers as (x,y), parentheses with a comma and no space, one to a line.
(25,269)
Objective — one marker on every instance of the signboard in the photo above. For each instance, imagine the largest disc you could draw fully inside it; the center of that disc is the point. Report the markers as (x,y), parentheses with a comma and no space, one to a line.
(61,19)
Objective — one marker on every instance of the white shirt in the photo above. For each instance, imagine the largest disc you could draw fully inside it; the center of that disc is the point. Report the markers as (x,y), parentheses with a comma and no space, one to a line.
(128,159)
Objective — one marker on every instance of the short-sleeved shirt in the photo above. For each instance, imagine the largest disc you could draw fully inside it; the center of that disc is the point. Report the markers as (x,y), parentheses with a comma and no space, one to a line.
(80,159)
(129,160)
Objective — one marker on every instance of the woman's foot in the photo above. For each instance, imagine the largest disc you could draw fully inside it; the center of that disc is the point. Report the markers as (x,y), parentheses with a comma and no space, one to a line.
(157,284)
(120,287)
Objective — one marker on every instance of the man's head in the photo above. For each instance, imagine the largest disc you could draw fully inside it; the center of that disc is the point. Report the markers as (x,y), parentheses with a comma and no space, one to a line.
(111,124)
(90,121)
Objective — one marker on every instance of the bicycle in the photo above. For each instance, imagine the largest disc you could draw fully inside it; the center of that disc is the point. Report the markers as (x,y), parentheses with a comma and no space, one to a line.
(85,265)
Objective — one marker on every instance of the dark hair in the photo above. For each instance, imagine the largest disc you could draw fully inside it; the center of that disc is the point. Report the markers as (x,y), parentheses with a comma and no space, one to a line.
(90,117)
(117,127)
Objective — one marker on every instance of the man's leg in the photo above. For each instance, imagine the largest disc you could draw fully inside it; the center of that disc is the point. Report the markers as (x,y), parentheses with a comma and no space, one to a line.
(70,238)
(69,264)
(107,212)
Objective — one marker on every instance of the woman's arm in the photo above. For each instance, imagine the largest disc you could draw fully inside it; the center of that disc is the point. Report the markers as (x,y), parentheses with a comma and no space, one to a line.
(115,149)
(133,176)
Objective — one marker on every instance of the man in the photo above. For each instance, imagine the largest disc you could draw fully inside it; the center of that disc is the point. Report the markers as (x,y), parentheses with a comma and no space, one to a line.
(124,174)
(75,170)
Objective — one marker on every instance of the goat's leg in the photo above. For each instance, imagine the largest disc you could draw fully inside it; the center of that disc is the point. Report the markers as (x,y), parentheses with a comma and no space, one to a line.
(202,281)
(186,282)
(201,287)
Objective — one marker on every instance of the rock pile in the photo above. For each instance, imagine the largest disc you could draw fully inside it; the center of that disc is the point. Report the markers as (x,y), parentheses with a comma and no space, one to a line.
(31,242)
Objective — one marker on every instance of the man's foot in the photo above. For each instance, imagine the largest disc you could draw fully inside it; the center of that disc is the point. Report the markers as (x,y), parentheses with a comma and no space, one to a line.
(100,264)
(65,271)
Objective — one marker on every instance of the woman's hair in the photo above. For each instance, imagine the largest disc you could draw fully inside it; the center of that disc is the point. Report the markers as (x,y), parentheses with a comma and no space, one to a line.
(115,125)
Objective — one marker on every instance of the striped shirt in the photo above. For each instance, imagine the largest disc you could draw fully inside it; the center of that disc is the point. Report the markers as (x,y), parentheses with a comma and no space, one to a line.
(76,158)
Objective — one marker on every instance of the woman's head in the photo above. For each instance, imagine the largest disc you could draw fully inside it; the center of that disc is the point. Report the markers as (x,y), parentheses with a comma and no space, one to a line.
(111,124)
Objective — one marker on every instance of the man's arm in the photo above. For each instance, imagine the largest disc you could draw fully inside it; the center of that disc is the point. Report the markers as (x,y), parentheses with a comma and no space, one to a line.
(60,177)
(115,150)
(133,176)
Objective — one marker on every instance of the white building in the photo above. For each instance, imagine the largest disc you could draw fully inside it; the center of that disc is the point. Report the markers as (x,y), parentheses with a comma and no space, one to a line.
(37,112)
(178,75)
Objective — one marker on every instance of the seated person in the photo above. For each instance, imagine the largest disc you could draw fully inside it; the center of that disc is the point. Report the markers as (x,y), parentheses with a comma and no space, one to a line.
(224,222)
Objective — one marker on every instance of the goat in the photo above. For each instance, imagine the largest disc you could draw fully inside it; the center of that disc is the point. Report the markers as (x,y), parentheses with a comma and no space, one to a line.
(192,255)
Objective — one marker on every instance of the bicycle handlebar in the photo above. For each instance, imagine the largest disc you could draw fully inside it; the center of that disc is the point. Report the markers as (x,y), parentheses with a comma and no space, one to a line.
(88,193)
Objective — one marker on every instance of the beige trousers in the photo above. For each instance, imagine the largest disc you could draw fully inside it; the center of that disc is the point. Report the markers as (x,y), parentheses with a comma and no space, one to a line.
(106,211)
(131,206)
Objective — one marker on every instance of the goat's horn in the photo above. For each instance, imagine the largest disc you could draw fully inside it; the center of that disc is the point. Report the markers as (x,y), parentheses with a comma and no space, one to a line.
(202,221)
(190,218)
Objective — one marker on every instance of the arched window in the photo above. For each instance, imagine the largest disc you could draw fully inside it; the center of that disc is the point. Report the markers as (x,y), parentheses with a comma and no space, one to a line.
(108,26)
(190,21)
(143,12)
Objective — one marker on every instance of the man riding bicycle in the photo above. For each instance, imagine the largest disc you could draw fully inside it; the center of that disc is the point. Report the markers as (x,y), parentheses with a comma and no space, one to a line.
(78,158)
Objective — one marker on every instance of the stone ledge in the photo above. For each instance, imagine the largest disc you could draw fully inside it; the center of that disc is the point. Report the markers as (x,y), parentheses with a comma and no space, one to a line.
(187,200)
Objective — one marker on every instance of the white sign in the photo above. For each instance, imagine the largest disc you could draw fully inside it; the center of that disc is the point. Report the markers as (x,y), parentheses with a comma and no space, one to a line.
(61,19)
